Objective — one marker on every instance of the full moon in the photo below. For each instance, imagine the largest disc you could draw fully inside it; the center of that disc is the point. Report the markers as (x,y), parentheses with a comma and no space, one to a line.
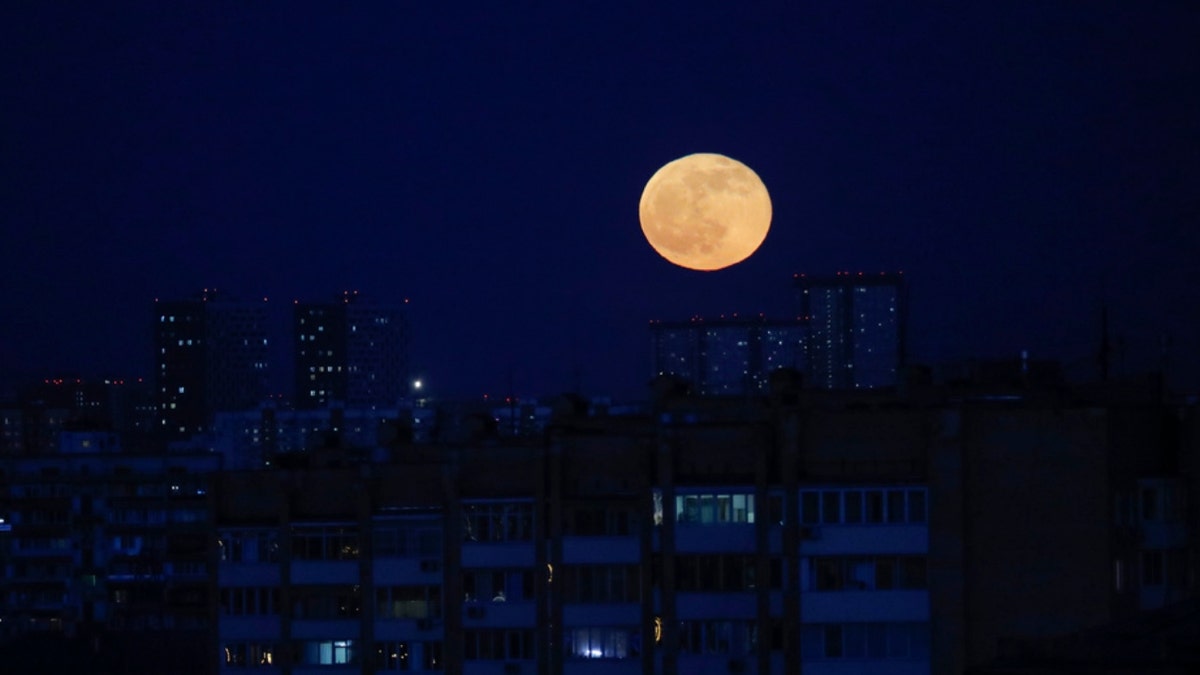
(705,211)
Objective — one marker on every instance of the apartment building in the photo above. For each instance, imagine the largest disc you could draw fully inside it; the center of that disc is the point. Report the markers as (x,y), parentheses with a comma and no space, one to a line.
(106,547)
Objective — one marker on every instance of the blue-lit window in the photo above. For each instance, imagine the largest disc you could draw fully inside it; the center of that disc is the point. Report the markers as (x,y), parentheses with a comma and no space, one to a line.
(714,509)
(600,643)
(329,652)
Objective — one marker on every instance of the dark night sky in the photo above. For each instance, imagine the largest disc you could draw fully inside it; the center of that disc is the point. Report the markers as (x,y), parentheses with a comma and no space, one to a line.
(1019,162)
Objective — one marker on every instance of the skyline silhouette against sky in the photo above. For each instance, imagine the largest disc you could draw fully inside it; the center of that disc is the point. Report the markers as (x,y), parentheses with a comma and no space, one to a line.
(1022,163)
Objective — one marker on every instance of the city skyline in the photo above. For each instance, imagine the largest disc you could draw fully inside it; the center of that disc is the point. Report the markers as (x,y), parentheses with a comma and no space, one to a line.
(1025,167)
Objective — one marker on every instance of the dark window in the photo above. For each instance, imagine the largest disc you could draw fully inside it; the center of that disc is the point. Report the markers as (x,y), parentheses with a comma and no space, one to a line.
(874,506)
(854,507)
(831,507)
(916,506)
(810,508)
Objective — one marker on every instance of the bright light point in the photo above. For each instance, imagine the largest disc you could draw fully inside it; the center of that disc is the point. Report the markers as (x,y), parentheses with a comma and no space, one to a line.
(416,384)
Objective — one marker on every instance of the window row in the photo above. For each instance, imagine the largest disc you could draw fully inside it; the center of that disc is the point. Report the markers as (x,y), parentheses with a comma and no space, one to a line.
(1154,499)
(498,585)
(599,583)
(1164,567)
(329,543)
(600,521)
(722,572)
(866,573)
(333,542)
(250,546)
(498,644)
(408,540)
(42,544)
(734,638)
(864,641)
(408,602)
(335,602)
(498,522)
(601,642)
(326,602)
(394,656)
(243,601)
(248,655)
(714,509)
(862,506)
(139,516)
(389,656)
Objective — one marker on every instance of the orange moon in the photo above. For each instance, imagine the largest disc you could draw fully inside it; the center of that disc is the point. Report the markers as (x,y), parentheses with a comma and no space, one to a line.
(705,211)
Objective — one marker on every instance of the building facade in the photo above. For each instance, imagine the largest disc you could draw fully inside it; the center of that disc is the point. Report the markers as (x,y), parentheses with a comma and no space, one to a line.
(856,328)
(351,352)
(211,354)
(727,356)
(108,549)
(854,531)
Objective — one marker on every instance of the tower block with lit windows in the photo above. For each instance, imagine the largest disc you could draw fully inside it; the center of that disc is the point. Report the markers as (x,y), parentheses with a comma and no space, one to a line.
(211,354)
(350,352)
(726,355)
(856,328)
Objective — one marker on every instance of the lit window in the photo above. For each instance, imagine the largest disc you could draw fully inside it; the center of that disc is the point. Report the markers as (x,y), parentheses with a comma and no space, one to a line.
(599,643)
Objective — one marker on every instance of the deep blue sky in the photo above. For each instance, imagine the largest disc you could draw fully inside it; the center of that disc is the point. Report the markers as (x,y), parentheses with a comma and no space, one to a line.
(485,160)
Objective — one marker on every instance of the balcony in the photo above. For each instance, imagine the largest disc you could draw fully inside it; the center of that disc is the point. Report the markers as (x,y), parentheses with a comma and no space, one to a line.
(580,550)
(899,539)
(325,572)
(864,606)
(516,614)
(501,554)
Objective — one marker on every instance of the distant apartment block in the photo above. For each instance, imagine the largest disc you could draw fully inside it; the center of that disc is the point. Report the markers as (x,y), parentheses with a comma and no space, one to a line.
(351,352)
(727,356)
(211,354)
(856,328)
(97,543)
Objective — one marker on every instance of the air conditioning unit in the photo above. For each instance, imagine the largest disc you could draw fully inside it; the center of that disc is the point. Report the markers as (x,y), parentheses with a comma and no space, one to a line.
(512,669)
(810,533)
(424,624)
(431,565)
(737,666)
(476,612)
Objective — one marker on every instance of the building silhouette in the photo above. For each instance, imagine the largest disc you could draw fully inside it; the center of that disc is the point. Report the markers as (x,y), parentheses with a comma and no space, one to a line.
(211,354)
(350,352)
(804,530)
(109,549)
(856,328)
(724,356)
